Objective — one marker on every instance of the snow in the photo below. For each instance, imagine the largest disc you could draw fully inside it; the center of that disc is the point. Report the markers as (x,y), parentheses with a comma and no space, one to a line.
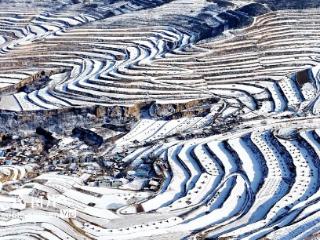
(249,162)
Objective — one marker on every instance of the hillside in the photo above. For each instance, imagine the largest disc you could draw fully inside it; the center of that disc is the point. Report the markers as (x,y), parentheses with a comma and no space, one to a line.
(141,119)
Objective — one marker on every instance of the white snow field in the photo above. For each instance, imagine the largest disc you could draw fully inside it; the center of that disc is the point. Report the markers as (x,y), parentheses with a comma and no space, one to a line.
(243,187)
(123,64)
(246,169)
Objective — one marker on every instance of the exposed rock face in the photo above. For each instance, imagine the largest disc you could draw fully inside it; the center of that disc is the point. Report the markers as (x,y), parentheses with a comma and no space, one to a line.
(49,140)
(87,136)
(192,108)
(32,83)
(69,118)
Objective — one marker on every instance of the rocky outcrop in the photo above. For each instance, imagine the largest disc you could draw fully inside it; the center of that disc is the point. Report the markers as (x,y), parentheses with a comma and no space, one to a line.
(87,136)
(68,118)
(192,108)
(34,82)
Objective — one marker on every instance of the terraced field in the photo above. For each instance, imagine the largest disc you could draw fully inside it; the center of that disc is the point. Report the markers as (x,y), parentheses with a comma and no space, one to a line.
(209,113)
